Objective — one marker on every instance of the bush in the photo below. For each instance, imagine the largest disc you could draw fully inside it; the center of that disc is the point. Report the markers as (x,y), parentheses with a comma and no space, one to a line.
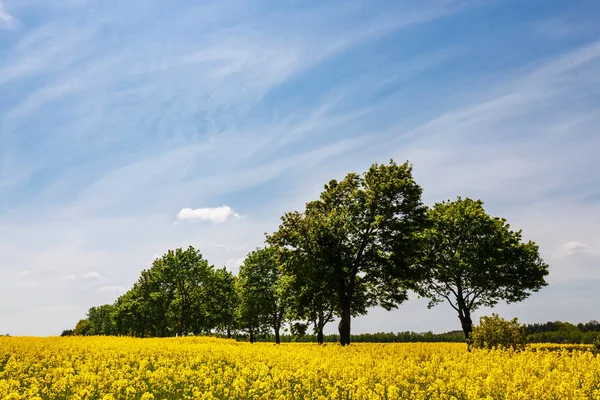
(497,332)
(597,343)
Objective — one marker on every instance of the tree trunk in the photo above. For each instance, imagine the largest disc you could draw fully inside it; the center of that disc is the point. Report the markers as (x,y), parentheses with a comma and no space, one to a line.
(277,338)
(320,334)
(228,333)
(467,324)
(344,326)
(251,336)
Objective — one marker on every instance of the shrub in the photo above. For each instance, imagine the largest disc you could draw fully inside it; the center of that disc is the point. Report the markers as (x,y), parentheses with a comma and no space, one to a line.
(497,332)
(597,343)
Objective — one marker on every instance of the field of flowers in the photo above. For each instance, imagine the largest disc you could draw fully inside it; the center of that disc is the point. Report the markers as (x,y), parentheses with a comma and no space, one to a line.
(206,368)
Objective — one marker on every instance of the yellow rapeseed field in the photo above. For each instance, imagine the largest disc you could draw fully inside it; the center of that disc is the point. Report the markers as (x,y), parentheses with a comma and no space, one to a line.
(206,368)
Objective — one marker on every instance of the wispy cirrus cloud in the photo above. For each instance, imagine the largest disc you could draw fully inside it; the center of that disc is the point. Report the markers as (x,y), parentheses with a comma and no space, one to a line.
(6,20)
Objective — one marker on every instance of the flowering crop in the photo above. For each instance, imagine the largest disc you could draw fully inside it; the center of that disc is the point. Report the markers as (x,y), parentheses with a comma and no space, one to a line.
(207,368)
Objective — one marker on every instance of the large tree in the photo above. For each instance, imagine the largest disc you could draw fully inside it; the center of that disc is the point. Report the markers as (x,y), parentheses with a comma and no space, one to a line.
(172,297)
(132,314)
(223,301)
(187,275)
(473,259)
(262,300)
(310,296)
(100,320)
(359,240)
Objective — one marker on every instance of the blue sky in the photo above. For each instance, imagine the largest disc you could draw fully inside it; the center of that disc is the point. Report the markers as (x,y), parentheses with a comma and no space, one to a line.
(131,128)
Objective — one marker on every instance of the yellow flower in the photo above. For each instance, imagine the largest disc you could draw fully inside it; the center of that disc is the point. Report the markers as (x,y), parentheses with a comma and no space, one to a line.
(207,368)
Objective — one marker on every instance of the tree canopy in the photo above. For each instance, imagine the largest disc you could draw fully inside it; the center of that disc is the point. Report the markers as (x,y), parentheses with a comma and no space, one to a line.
(357,241)
(261,292)
(472,260)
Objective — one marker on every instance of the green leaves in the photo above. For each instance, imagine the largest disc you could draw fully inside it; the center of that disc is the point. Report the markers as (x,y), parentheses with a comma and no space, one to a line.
(261,291)
(355,246)
(472,259)
(180,294)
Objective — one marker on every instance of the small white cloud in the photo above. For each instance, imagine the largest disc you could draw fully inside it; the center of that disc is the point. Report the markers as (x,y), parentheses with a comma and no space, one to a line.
(23,273)
(92,275)
(6,20)
(216,215)
(570,249)
(113,288)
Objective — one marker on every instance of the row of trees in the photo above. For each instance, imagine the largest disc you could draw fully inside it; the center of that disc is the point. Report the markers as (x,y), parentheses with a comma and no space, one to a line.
(564,332)
(367,241)
(180,294)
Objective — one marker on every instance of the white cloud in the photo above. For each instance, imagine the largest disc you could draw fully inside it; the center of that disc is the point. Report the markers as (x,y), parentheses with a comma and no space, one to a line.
(92,275)
(23,273)
(112,288)
(6,20)
(216,215)
(570,249)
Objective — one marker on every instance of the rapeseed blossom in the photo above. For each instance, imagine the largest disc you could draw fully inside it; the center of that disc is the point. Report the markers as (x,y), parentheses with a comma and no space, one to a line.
(107,368)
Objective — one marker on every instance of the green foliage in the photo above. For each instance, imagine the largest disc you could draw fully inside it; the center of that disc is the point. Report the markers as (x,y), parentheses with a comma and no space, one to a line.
(596,342)
(82,328)
(298,331)
(100,320)
(496,332)
(67,332)
(472,259)
(379,337)
(180,294)
(223,301)
(261,293)
(354,248)
(563,332)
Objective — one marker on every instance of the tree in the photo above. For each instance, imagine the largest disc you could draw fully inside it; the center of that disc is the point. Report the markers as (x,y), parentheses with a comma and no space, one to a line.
(174,296)
(184,275)
(134,314)
(100,320)
(261,293)
(358,240)
(474,260)
(309,297)
(82,328)
(223,301)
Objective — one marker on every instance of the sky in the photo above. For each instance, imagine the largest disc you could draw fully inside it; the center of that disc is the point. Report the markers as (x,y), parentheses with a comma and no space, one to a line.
(131,128)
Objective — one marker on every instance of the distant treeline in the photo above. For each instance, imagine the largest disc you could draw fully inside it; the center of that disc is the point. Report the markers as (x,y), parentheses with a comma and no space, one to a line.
(563,332)
(549,332)
(379,337)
